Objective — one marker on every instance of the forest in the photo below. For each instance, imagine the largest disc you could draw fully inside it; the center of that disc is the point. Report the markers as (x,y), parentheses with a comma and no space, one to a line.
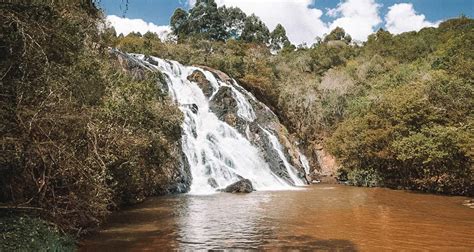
(82,137)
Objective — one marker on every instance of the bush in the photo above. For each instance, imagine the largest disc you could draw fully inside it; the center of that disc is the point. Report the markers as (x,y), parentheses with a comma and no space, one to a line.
(80,135)
(23,233)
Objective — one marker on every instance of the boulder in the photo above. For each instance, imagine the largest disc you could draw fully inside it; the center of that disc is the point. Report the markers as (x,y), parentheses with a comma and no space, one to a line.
(212,182)
(241,186)
(218,74)
(194,108)
(200,79)
(223,103)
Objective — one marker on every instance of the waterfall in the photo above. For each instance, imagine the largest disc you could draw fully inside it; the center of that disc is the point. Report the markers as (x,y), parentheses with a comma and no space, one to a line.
(304,161)
(289,168)
(220,154)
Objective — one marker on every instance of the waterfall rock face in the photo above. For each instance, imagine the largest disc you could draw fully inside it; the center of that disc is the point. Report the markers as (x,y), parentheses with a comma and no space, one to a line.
(227,135)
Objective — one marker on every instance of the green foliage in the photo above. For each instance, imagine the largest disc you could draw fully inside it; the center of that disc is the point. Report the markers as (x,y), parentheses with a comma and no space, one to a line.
(364,177)
(234,19)
(279,40)
(142,134)
(79,135)
(328,55)
(255,31)
(23,233)
(338,34)
(412,137)
(395,112)
(178,22)
(206,21)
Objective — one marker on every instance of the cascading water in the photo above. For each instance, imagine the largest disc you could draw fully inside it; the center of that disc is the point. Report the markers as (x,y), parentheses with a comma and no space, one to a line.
(289,168)
(304,161)
(218,154)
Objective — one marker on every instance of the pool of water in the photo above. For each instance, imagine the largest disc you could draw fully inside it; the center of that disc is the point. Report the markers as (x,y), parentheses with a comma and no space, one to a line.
(328,217)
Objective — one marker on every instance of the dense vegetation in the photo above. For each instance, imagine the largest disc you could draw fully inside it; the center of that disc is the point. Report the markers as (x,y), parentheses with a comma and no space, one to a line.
(25,233)
(81,133)
(395,111)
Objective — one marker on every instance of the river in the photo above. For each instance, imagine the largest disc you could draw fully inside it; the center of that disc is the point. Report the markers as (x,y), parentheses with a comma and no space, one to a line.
(327,217)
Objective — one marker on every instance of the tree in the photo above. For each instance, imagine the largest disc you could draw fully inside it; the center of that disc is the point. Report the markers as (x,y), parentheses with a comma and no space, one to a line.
(179,22)
(255,30)
(234,21)
(205,20)
(381,43)
(278,39)
(338,34)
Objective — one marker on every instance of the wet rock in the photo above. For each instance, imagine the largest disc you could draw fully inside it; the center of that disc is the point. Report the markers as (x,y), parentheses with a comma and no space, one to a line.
(129,65)
(218,74)
(272,157)
(231,119)
(242,186)
(223,103)
(212,182)
(200,79)
(194,108)
(150,60)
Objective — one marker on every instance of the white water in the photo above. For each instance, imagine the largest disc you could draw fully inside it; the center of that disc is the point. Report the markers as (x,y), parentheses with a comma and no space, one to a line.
(214,149)
(304,162)
(289,168)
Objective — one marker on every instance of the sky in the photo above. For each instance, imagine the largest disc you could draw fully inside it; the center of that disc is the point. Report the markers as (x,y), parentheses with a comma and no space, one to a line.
(304,20)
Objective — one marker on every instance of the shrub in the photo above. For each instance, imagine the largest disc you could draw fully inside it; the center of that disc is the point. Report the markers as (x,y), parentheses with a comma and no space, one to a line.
(23,233)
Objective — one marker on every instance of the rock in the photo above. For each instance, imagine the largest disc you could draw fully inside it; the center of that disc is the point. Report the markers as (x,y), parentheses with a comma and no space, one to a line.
(194,108)
(151,60)
(200,79)
(129,65)
(212,182)
(242,186)
(218,74)
(223,103)
(231,119)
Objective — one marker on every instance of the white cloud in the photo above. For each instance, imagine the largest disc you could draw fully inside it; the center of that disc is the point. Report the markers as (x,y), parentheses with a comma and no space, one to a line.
(356,17)
(126,26)
(301,22)
(403,17)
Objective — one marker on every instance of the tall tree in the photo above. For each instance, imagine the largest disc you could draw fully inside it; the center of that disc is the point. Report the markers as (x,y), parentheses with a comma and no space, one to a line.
(234,21)
(278,38)
(179,22)
(205,20)
(338,34)
(255,30)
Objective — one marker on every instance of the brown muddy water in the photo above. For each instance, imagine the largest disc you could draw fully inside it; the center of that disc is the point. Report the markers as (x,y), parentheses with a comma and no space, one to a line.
(325,217)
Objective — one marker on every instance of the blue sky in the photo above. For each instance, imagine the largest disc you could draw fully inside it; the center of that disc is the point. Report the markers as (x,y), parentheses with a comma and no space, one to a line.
(304,19)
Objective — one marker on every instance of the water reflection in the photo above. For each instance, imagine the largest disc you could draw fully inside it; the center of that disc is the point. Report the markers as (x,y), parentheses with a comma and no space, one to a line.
(237,216)
(321,217)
